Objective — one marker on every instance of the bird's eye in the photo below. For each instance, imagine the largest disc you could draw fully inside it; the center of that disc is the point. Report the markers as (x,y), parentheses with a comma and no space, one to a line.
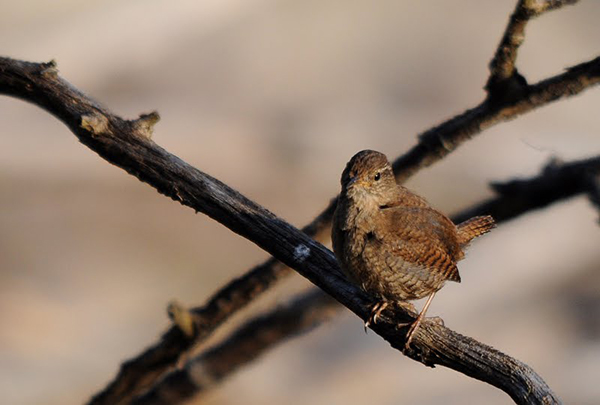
(377,176)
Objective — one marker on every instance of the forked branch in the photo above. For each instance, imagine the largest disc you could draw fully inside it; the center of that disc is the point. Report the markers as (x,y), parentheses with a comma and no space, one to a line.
(127,145)
(503,71)
(508,96)
(246,344)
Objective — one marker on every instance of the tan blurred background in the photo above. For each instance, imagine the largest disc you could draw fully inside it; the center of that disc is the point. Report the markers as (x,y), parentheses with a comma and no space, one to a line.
(273,97)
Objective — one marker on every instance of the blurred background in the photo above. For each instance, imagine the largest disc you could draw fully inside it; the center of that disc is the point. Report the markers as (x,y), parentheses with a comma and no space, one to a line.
(273,97)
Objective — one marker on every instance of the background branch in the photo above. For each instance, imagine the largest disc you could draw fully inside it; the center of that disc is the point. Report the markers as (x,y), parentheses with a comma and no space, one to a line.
(247,343)
(127,145)
(593,183)
(556,182)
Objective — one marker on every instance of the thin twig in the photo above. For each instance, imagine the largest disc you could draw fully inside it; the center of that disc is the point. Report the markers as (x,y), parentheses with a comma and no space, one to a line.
(503,72)
(127,145)
(556,182)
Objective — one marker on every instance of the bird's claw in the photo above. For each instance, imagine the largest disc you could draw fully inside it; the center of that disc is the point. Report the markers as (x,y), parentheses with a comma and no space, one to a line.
(375,313)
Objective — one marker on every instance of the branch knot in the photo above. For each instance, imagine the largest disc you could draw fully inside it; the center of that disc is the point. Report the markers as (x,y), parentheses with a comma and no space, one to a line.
(95,123)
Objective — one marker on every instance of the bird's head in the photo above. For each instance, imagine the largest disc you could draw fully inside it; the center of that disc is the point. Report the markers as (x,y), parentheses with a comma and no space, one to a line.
(368,178)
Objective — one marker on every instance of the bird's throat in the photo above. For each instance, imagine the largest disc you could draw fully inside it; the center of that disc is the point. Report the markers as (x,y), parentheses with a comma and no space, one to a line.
(361,211)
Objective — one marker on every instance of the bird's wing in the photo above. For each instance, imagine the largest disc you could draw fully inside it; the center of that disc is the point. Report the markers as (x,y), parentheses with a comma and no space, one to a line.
(423,236)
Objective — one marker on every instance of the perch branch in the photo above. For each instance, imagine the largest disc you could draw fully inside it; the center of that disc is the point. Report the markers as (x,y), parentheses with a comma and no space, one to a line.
(502,104)
(556,182)
(127,144)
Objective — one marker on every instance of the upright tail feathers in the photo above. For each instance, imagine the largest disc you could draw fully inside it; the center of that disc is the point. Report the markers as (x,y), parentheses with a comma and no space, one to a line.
(474,227)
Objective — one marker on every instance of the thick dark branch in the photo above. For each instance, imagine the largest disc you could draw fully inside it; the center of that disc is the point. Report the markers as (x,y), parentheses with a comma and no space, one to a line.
(127,145)
(246,344)
(504,102)
(594,191)
(556,182)
(433,145)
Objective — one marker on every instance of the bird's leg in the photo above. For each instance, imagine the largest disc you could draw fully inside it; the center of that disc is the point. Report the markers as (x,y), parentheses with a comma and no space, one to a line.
(415,325)
(375,312)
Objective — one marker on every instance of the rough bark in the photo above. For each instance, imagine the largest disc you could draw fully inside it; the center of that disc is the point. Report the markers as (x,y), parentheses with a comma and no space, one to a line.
(127,144)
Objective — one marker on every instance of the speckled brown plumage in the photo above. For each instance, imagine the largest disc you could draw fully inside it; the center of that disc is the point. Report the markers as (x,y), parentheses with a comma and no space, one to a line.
(390,241)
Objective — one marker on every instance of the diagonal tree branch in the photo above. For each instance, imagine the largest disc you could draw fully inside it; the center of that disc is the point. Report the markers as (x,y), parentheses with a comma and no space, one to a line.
(433,145)
(556,182)
(127,145)
(247,343)
(505,101)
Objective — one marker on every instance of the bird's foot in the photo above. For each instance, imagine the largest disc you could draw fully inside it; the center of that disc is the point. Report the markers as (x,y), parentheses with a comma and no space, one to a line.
(412,330)
(415,325)
(375,313)
(411,333)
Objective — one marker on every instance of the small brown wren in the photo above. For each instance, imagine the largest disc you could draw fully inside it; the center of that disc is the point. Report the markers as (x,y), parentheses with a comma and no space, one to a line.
(390,242)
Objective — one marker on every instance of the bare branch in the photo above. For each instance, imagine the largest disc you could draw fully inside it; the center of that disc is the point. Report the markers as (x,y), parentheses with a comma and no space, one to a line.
(594,191)
(504,76)
(246,344)
(434,144)
(556,182)
(120,142)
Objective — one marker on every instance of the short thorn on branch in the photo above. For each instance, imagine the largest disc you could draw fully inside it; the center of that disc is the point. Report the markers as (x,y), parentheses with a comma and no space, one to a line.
(49,69)
(182,318)
(144,125)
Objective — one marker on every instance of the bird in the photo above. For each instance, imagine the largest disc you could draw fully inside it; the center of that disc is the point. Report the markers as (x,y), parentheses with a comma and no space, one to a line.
(391,242)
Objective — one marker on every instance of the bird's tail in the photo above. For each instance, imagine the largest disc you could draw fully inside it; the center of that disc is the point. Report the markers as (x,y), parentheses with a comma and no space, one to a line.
(474,227)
